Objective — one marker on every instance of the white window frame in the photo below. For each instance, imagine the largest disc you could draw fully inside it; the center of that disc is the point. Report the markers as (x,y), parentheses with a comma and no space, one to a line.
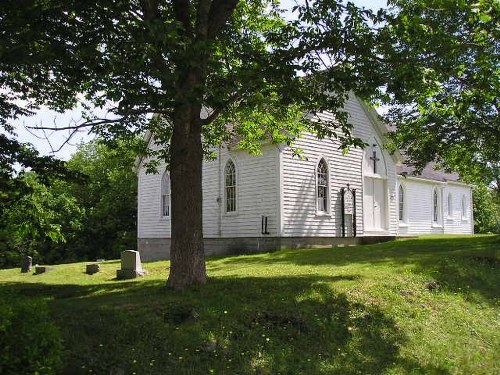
(326,187)
(233,209)
(464,207)
(435,207)
(165,196)
(450,206)
(402,204)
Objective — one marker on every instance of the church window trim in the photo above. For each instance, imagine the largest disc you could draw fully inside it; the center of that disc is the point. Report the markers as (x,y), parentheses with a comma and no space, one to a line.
(230,188)
(450,206)
(322,173)
(402,204)
(436,217)
(165,196)
(464,207)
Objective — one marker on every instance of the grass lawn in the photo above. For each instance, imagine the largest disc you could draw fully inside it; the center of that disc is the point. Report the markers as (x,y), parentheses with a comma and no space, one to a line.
(412,306)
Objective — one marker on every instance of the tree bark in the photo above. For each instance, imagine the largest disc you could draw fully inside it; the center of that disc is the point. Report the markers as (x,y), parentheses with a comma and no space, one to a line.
(187,255)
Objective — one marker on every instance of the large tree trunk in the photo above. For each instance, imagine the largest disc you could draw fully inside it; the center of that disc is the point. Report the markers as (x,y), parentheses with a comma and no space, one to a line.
(186,253)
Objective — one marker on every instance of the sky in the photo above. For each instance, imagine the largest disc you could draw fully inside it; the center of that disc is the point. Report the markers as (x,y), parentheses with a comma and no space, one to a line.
(48,142)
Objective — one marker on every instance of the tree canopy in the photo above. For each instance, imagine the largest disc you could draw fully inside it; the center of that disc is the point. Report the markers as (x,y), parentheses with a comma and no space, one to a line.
(444,83)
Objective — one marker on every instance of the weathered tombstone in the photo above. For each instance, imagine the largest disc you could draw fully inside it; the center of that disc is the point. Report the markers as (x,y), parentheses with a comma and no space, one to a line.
(42,269)
(90,269)
(26,264)
(131,266)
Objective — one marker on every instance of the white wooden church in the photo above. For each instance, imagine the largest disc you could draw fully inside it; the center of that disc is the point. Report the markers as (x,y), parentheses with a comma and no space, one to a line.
(275,200)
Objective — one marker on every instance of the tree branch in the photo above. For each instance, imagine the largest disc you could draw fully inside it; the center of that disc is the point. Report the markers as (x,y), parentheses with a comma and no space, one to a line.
(181,11)
(220,12)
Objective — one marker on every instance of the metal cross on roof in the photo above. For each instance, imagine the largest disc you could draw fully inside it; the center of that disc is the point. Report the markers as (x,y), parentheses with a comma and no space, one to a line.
(375,159)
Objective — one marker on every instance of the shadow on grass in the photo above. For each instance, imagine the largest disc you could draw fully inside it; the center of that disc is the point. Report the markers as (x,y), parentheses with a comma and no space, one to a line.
(456,264)
(292,325)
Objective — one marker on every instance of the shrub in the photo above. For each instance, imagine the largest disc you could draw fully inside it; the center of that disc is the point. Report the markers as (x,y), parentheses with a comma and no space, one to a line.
(30,343)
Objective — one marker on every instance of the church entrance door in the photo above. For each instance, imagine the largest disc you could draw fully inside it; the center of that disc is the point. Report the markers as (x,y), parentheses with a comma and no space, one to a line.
(374,204)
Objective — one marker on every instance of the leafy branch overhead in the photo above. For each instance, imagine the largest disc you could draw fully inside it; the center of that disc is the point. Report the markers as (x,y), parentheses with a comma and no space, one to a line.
(445,83)
(130,57)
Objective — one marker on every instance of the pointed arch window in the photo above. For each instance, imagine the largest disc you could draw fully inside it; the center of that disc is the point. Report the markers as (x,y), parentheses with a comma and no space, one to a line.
(165,195)
(230,186)
(322,187)
(450,205)
(435,206)
(401,203)
(464,207)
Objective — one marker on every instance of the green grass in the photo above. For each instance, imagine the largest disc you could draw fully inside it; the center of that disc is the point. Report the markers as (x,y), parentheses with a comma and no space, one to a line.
(413,306)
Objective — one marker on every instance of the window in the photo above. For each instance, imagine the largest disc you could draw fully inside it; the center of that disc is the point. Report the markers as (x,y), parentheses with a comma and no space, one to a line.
(401,201)
(322,186)
(230,186)
(464,207)
(435,206)
(165,195)
(450,205)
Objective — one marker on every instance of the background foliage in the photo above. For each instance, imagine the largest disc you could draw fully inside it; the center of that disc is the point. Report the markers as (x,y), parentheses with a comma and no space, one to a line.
(67,220)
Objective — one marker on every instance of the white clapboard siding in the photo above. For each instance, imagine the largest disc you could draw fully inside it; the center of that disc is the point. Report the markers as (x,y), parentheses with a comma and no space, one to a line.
(299,216)
(419,206)
(257,196)
(257,189)
(150,224)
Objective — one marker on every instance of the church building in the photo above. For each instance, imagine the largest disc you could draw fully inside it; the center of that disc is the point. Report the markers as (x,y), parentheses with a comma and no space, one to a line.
(257,203)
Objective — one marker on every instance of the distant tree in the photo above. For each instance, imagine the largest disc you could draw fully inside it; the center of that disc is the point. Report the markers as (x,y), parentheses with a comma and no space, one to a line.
(443,83)
(109,198)
(39,222)
(486,210)
(69,220)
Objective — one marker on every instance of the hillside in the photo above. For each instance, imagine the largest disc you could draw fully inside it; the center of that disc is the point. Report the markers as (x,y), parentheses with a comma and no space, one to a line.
(419,306)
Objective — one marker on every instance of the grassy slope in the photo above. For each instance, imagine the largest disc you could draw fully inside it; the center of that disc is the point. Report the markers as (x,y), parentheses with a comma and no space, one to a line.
(418,306)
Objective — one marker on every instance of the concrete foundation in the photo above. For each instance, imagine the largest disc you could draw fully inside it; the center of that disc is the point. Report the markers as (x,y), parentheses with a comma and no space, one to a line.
(159,248)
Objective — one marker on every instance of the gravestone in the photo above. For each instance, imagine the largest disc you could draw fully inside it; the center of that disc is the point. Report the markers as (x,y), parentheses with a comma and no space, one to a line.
(90,269)
(42,269)
(131,266)
(26,264)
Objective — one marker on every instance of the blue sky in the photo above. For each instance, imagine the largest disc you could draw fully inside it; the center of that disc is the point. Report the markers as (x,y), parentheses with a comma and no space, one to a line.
(50,140)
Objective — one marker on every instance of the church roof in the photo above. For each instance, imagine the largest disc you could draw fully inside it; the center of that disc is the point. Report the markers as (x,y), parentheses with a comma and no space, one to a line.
(428,173)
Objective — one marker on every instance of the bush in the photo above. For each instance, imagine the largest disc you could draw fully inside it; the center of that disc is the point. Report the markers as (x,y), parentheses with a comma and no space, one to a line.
(30,343)
(486,210)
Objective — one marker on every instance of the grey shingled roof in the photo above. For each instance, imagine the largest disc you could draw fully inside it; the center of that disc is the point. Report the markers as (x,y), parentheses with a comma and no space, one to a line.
(428,173)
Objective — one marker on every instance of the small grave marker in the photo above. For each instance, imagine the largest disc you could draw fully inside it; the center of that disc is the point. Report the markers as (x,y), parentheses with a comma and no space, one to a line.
(131,266)
(42,269)
(92,268)
(26,264)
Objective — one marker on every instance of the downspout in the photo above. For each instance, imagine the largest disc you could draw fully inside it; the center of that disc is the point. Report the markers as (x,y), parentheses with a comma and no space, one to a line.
(219,197)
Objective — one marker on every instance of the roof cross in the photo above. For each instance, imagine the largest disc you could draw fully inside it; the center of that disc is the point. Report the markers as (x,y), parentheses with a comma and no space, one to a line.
(375,159)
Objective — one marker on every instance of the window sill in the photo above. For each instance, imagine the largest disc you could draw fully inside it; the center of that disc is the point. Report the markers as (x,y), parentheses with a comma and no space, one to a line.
(323,214)
(434,225)
(232,213)
(449,218)
(403,225)
(165,218)
(465,220)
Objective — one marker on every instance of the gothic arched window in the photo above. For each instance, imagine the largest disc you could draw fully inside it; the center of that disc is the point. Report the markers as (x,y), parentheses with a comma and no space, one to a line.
(464,207)
(322,186)
(435,206)
(230,186)
(401,203)
(165,194)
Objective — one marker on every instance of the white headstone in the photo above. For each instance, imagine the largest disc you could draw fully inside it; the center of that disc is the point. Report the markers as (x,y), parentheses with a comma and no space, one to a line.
(131,266)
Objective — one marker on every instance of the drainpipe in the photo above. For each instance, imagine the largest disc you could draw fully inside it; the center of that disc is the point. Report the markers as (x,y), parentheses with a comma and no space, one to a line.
(219,197)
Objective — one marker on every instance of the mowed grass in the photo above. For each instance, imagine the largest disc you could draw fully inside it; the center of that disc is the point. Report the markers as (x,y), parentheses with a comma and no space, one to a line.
(412,306)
